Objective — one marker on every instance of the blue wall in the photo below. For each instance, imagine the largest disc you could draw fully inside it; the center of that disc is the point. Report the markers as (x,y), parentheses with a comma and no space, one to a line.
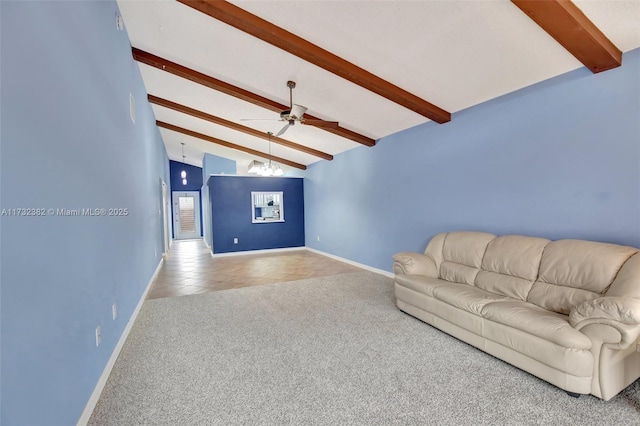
(214,165)
(194,176)
(230,198)
(560,159)
(67,142)
(194,183)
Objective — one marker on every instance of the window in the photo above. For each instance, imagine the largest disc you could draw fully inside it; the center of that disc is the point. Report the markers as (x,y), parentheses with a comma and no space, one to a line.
(267,207)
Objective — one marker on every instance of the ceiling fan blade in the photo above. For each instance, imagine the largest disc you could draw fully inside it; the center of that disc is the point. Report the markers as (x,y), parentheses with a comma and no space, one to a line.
(298,111)
(284,129)
(260,119)
(321,123)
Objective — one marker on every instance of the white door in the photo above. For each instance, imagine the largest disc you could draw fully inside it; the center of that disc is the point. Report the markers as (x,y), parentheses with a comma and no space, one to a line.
(186,214)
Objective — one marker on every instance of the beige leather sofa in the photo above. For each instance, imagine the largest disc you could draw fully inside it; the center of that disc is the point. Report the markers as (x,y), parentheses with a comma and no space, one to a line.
(567,311)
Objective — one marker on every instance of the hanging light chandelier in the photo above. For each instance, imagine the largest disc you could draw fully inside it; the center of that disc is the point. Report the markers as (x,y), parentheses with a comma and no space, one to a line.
(183,173)
(262,169)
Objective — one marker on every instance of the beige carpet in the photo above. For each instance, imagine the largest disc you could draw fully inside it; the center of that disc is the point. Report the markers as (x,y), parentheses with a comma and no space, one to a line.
(325,351)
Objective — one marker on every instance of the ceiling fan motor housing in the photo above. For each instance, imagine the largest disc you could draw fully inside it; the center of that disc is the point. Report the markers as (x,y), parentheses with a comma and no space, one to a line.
(284,115)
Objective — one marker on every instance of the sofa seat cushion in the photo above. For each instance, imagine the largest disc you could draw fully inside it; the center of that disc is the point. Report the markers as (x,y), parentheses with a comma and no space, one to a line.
(537,321)
(574,362)
(465,297)
(420,283)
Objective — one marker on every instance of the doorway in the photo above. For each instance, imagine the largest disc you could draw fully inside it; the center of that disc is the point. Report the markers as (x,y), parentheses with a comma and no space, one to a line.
(186,214)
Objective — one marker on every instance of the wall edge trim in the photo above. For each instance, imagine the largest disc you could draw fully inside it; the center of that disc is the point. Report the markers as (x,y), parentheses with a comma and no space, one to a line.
(102,381)
(351,262)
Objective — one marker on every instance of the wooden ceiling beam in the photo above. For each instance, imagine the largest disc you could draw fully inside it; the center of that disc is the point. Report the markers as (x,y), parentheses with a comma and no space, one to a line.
(235,126)
(566,23)
(229,144)
(289,42)
(245,95)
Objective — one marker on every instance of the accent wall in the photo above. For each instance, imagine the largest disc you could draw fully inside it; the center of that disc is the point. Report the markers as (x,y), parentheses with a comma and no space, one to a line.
(231,214)
(193,173)
(559,159)
(68,144)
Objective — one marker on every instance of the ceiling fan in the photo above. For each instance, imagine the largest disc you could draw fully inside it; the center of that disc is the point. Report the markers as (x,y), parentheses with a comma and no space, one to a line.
(295,113)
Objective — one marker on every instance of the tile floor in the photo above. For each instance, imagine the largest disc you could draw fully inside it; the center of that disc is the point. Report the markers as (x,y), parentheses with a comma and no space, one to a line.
(190,269)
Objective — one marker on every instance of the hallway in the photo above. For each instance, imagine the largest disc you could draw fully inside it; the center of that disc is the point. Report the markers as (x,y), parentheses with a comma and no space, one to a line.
(190,269)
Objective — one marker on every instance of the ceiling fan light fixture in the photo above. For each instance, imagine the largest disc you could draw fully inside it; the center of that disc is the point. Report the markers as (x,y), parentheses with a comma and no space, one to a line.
(256,167)
(263,169)
(296,113)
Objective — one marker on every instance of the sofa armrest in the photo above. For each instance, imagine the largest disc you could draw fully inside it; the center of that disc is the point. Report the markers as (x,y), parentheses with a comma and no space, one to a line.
(620,313)
(410,263)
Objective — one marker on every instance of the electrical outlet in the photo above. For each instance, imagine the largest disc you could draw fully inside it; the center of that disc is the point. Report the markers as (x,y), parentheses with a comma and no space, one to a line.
(132,108)
(119,22)
(155,253)
(114,311)
(318,238)
(98,336)
(235,241)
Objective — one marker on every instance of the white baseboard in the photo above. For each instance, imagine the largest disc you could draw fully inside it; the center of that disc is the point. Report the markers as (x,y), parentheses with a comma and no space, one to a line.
(246,252)
(97,391)
(351,262)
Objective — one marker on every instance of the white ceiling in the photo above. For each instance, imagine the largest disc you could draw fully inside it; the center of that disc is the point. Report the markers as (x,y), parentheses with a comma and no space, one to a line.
(454,54)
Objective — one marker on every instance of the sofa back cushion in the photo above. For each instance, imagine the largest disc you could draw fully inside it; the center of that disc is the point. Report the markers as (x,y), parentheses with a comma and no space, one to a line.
(434,249)
(627,282)
(510,265)
(462,254)
(574,271)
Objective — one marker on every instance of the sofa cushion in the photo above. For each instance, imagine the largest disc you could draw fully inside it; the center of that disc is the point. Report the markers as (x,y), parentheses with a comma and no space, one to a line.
(462,254)
(558,298)
(574,362)
(504,285)
(583,264)
(468,298)
(510,265)
(515,255)
(568,265)
(457,273)
(537,321)
(626,282)
(420,283)
(434,249)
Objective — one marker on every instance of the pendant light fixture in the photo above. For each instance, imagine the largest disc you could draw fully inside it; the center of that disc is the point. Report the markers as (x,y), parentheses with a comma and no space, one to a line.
(269,170)
(183,173)
(260,168)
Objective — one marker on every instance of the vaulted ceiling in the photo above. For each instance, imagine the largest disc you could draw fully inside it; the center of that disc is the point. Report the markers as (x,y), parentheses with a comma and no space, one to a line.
(375,67)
